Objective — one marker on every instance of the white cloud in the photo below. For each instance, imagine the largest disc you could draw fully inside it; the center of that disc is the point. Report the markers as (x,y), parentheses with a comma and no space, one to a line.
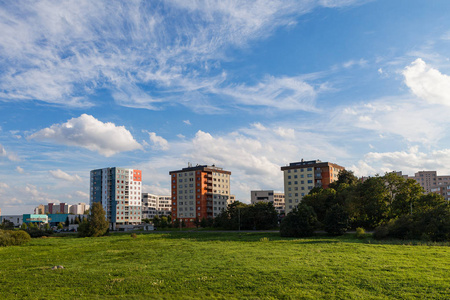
(58,174)
(158,142)
(187,122)
(286,93)
(427,83)
(181,136)
(408,161)
(64,52)
(10,156)
(90,133)
(82,194)
(20,170)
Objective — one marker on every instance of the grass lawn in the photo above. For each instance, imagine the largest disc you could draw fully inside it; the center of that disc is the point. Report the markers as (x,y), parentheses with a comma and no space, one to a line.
(209,265)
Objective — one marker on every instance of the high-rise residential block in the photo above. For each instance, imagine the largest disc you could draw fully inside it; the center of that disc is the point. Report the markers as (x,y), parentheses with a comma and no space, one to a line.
(201,191)
(301,177)
(119,192)
(277,199)
(79,209)
(155,205)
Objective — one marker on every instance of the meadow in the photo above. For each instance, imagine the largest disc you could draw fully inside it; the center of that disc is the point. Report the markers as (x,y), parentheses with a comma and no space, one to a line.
(231,265)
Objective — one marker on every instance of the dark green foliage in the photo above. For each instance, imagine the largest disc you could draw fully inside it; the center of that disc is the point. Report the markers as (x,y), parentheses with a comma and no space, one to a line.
(183,224)
(67,223)
(77,220)
(261,216)
(35,232)
(197,222)
(146,220)
(432,224)
(156,221)
(321,200)
(176,223)
(96,223)
(7,225)
(336,220)
(204,223)
(300,222)
(13,238)
(60,226)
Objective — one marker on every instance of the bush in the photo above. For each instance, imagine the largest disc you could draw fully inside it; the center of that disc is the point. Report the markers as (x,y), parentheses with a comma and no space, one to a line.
(336,220)
(381,232)
(134,235)
(360,233)
(13,238)
(300,222)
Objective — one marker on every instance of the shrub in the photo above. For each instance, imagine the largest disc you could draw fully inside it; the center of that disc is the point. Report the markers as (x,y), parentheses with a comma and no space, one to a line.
(134,235)
(264,239)
(300,222)
(336,220)
(381,232)
(13,238)
(360,233)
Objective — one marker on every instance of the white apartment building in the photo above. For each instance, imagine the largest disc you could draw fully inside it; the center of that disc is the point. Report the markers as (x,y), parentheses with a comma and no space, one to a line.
(301,177)
(79,209)
(277,199)
(153,205)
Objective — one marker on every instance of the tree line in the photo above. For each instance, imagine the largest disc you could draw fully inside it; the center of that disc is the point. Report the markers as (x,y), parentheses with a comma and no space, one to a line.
(390,205)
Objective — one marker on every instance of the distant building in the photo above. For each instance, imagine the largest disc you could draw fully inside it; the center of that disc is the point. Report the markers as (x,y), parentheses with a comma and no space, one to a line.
(35,218)
(200,191)
(79,209)
(231,199)
(277,199)
(40,210)
(155,205)
(119,192)
(301,177)
(53,208)
(17,220)
(433,183)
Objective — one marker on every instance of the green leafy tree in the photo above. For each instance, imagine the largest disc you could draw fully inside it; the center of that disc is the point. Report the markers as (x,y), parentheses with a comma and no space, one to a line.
(197,222)
(67,222)
(96,223)
(300,222)
(183,224)
(156,221)
(60,226)
(77,220)
(23,226)
(176,223)
(336,220)
(204,223)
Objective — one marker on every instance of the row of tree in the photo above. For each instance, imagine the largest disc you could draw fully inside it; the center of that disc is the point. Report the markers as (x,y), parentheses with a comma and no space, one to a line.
(380,203)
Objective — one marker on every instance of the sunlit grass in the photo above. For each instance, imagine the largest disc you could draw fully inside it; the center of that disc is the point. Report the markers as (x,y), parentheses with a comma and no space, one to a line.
(210,265)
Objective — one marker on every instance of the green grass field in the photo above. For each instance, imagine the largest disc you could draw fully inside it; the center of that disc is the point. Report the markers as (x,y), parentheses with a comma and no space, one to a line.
(209,265)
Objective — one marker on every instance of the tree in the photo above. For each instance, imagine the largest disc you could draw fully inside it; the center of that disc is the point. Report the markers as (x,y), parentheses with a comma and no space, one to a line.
(204,223)
(77,220)
(7,225)
(60,226)
(176,223)
(197,222)
(183,224)
(24,226)
(321,201)
(96,223)
(300,222)
(67,222)
(156,221)
(336,220)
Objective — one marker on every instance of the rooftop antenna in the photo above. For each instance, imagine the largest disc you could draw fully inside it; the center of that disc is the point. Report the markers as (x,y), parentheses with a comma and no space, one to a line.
(189,165)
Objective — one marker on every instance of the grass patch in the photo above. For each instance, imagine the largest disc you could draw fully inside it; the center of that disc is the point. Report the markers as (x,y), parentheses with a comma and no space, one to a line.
(210,265)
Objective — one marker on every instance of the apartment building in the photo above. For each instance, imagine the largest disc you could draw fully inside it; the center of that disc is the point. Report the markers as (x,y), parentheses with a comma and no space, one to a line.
(79,209)
(433,183)
(201,191)
(52,208)
(119,192)
(231,199)
(301,177)
(277,199)
(155,205)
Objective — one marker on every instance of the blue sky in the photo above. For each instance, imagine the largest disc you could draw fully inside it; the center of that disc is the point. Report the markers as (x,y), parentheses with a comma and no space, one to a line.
(247,85)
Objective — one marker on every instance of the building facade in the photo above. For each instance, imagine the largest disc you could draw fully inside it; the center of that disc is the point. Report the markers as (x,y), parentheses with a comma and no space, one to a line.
(301,177)
(433,183)
(201,191)
(155,205)
(119,192)
(79,209)
(277,199)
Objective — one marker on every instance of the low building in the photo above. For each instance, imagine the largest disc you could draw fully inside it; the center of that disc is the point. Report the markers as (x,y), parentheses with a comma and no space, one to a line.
(155,205)
(277,199)
(17,220)
(36,219)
